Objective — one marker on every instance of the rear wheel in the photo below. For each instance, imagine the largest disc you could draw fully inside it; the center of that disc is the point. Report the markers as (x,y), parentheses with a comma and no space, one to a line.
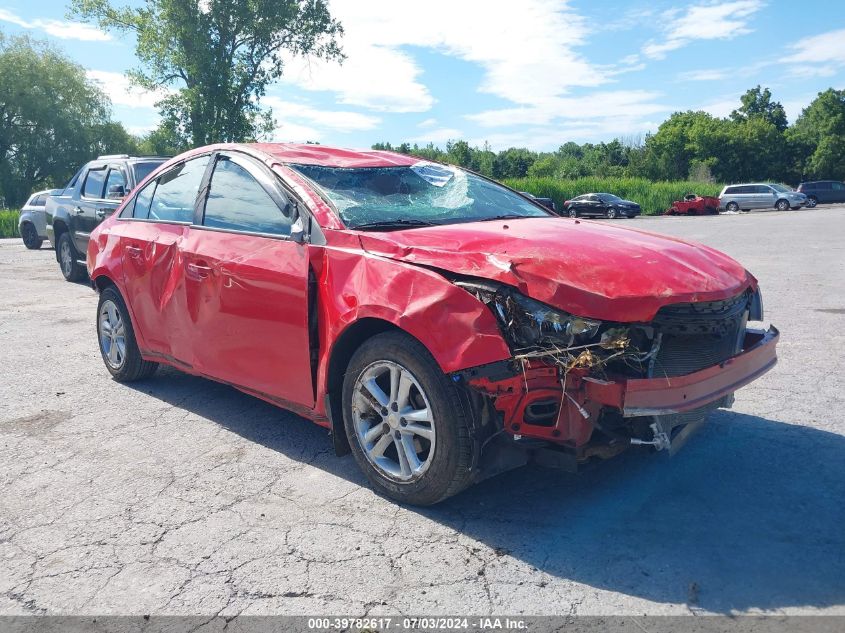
(733,207)
(30,237)
(406,421)
(812,201)
(71,269)
(782,205)
(117,340)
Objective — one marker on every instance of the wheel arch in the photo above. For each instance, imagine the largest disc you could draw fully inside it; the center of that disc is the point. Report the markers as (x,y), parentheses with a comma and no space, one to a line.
(339,356)
(60,227)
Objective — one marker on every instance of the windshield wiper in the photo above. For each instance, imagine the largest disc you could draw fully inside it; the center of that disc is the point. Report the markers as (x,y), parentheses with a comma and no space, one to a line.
(509,217)
(387,225)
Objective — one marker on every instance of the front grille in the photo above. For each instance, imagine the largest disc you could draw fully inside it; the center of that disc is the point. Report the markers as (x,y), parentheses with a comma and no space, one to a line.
(695,336)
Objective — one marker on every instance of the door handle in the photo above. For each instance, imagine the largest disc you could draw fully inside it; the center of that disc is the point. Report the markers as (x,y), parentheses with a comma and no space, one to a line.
(198,272)
(78,210)
(101,213)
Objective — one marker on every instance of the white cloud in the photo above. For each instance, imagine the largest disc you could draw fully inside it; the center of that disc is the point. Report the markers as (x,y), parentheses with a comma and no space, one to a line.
(121,92)
(704,75)
(336,120)
(820,55)
(597,105)
(289,132)
(57,28)
(708,21)
(427,123)
(439,136)
(527,54)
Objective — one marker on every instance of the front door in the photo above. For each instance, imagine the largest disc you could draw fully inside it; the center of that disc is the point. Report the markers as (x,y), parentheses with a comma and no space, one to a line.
(246,284)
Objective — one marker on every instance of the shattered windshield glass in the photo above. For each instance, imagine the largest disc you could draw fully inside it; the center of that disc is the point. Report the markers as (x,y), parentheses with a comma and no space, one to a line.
(421,194)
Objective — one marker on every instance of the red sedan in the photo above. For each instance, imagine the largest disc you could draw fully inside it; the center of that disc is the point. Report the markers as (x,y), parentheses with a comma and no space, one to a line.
(443,327)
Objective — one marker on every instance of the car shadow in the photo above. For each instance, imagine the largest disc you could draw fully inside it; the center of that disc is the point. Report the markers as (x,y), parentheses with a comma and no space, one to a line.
(749,515)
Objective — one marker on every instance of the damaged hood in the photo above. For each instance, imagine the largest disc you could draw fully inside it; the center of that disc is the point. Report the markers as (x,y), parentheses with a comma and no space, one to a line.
(585,268)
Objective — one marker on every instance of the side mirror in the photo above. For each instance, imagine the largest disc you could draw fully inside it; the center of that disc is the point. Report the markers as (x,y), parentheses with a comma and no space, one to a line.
(116,192)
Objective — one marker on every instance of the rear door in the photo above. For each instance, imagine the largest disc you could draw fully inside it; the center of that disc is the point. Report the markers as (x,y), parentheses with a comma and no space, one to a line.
(247,284)
(836,193)
(156,221)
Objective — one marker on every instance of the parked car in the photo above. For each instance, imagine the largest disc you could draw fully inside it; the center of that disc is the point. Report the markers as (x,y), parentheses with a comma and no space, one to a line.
(602,205)
(823,191)
(443,327)
(694,205)
(760,196)
(32,225)
(93,193)
(546,202)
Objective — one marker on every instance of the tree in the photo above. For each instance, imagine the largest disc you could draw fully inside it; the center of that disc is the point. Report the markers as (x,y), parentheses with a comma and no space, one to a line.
(217,56)
(47,133)
(757,103)
(819,135)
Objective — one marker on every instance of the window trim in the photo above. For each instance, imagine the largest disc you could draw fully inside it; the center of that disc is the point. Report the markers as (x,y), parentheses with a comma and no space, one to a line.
(266,179)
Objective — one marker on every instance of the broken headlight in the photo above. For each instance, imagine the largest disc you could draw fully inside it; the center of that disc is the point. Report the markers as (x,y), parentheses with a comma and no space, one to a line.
(528,323)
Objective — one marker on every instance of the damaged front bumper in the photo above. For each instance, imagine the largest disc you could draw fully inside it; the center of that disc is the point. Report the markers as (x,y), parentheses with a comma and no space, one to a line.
(538,400)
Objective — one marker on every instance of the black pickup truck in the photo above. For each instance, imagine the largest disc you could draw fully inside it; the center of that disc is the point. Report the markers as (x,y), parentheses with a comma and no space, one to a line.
(92,194)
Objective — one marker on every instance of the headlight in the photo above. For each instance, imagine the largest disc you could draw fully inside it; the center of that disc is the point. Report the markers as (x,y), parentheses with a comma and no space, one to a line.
(526,322)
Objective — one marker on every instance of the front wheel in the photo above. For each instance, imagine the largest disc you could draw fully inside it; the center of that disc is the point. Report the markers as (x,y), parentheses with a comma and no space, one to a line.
(611,213)
(117,340)
(782,205)
(71,270)
(573,213)
(30,237)
(406,422)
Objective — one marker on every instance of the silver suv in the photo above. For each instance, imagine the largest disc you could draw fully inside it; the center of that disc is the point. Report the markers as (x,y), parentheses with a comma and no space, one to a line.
(761,195)
(31,223)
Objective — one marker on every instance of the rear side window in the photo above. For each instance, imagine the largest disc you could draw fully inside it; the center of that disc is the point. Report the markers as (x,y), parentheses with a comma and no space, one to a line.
(141,208)
(94,183)
(731,191)
(176,191)
(236,201)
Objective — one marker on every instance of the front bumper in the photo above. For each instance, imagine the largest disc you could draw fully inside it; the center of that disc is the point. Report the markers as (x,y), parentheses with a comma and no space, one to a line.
(580,399)
(665,396)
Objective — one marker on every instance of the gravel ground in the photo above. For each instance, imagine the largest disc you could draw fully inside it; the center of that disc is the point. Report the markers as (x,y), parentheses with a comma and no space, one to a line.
(182,496)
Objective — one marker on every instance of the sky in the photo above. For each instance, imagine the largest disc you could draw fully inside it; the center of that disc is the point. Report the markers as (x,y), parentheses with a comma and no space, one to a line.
(521,73)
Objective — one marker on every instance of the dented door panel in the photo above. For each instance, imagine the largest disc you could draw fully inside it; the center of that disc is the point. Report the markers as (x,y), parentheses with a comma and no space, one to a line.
(247,311)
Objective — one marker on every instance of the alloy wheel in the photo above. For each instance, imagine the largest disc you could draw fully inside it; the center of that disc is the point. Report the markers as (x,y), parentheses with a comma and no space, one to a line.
(112,333)
(66,258)
(393,421)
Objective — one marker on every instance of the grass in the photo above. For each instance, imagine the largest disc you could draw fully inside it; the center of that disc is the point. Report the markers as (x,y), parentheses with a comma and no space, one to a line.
(653,197)
(9,223)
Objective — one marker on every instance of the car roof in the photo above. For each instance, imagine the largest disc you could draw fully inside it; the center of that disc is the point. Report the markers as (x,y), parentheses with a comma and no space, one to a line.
(325,156)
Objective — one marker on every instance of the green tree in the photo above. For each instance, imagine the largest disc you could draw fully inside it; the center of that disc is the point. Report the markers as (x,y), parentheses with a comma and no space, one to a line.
(52,119)
(819,136)
(218,55)
(757,103)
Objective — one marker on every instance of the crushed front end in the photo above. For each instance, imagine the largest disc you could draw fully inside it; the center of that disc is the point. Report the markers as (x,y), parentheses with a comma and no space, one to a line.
(578,388)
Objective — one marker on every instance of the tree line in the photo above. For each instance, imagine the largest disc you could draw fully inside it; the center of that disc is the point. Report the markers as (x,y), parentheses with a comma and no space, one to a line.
(753,143)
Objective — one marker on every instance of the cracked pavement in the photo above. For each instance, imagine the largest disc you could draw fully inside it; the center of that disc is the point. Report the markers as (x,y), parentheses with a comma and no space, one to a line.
(178,495)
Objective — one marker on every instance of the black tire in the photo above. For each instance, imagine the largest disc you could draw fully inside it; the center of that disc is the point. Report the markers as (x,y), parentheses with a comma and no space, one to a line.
(610,214)
(449,470)
(782,205)
(573,213)
(66,254)
(30,236)
(133,366)
(812,201)
(733,207)
(711,211)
